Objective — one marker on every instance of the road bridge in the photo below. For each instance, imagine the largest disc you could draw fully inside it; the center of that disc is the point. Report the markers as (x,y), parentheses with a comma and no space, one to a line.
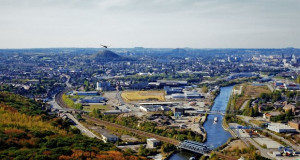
(221,112)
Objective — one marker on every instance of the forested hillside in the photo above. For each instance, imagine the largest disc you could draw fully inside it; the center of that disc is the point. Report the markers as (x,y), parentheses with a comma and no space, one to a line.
(26,132)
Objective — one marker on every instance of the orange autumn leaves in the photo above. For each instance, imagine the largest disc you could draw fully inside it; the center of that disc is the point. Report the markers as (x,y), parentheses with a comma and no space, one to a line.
(108,155)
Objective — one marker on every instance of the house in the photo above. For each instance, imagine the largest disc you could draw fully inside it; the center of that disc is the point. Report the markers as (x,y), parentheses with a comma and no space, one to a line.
(280,128)
(294,124)
(289,107)
(152,143)
(278,105)
(268,116)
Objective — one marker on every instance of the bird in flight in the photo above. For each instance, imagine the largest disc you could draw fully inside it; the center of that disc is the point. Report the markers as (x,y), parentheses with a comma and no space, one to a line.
(104,46)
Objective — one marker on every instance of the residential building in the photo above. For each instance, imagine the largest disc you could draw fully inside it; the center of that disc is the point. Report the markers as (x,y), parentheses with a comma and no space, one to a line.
(268,116)
(289,107)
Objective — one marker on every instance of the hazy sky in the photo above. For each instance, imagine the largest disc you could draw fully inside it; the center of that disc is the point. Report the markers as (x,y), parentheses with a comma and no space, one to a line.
(150,23)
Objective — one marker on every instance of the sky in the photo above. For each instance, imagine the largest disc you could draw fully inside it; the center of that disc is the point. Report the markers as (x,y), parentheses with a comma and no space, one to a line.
(150,23)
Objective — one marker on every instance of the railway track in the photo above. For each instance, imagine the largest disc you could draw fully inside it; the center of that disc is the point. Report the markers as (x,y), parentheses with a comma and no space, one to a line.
(135,131)
(60,102)
(58,98)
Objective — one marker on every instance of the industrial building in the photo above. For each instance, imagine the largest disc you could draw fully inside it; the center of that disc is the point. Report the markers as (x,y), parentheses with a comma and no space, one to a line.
(280,128)
(294,124)
(107,137)
(94,99)
(104,86)
(90,93)
(171,90)
(154,108)
(186,95)
(152,143)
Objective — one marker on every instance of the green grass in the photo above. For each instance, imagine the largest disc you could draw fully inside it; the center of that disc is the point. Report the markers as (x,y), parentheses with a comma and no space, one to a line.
(95,106)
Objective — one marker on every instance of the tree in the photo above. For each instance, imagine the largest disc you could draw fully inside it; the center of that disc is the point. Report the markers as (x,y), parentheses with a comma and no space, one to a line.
(142,150)
(288,115)
(251,112)
(204,89)
(298,80)
(86,85)
(166,147)
(95,113)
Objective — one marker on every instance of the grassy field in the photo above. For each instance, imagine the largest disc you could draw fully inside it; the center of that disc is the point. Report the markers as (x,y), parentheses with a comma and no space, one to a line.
(257,122)
(95,106)
(143,95)
(249,92)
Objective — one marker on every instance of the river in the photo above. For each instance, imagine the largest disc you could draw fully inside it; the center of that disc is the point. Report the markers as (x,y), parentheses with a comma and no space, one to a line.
(216,135)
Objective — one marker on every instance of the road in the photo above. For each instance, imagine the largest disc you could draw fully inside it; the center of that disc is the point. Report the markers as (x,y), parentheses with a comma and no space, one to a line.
(59,104)
(135,131)
(263,152)
(77,124)
(119,97)
(270,87)
(244,105)
(295,147)
(248,140)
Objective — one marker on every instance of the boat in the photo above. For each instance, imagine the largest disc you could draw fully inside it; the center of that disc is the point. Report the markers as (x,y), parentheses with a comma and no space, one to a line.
(215,119)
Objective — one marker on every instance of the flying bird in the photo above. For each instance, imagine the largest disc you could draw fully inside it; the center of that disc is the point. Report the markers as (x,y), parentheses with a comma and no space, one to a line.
(104,46)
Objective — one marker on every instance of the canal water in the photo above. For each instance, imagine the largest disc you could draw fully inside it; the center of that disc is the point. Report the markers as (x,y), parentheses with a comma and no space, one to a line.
(216,135)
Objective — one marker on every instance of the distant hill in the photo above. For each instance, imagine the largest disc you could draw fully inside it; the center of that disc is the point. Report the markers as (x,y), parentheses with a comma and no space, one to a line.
(107,55)
(179,51)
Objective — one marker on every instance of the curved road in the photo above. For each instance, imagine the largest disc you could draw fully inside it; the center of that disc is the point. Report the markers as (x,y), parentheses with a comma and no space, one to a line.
(59,104)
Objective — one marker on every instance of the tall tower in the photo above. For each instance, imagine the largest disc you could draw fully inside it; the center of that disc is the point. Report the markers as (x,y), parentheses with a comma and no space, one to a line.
(97,86)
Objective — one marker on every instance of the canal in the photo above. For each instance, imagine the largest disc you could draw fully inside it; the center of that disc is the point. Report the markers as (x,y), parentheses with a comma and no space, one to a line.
(216,135)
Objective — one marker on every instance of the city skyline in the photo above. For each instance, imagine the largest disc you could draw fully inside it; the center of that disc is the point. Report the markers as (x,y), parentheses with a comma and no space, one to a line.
(153,24)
